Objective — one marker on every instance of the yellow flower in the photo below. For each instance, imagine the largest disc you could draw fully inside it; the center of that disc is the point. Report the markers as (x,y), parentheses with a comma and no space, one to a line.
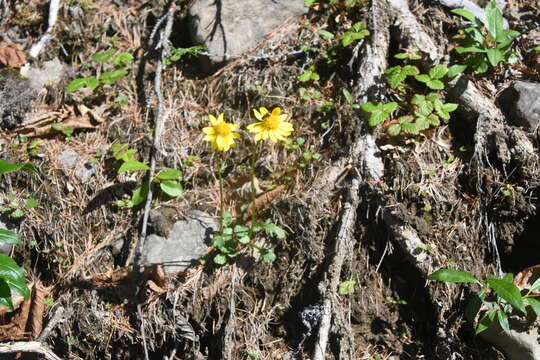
(221,133)
(271,125)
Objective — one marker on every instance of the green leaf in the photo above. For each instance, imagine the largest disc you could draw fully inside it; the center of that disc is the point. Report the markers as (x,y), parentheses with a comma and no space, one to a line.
(171,188)
(226,218)
(104,56)
(394,129)
(508,292)
(9,237)
(31,203)
(272,229)
(17,213)
(455,70)
(369,107)
(327,35)
(485,322)
(473,306)
(346,287)
(468,49)
(535,305)
(244,240)
(220,259)
(348,96)
(438,72)
(308,3)
(453,276)
(494,56)
(494,20)
(389,107)
(449,107)
(5,295)
(410,128)
(422,78)
(122,59)
(536,285)
(7,167)
(466,14)
(112,76)
(435,84)
(133,165)
(503,320)
(140,194)
(268,255)
(76,84)
(410,70)
(171,174)
(13,275)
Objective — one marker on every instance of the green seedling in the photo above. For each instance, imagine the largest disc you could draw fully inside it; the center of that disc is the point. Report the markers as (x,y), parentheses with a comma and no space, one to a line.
(486,42)
(497,299)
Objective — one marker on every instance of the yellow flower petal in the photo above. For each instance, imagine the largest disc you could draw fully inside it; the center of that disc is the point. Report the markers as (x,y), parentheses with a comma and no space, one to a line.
(213,119)
(263,110)
(276,111)
(273,137)
(209,130)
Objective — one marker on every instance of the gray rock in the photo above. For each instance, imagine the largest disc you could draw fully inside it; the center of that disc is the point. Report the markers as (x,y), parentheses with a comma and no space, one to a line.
(229,28)
(521,104)
(186,243)
(69,158)
(85,172)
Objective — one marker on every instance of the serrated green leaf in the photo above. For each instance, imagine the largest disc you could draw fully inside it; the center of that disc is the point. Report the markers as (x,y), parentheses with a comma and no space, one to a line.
(268,255)
(535,305)
(133,165)
(455,70)
(389,107)
(9,237)
(410,128)
(394,129)
(508,292)
(171,174)
(76,84)
(410,70)
(244,240)
(122,59)
(17,213)
(220,259)
(434,120)
(226,218)
(7,167)
(422,78)
(13,275)
(104,56)
(438,72)
(272,229)
(31,203)
(171,188)
(435,84)
(346,287)
(453,276)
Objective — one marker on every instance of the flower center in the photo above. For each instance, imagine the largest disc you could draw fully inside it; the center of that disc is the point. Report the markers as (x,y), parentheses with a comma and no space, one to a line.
(272,122)
(222,129)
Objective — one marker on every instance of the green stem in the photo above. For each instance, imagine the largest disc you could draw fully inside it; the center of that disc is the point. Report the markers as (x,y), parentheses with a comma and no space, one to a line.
(221,201)
(253,189)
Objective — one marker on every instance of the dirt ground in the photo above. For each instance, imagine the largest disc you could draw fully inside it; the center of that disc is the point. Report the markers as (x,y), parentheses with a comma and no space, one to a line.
(445,185)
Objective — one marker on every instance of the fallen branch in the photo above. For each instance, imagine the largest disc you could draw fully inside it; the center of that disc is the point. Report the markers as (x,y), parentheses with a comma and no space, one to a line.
(29,347)
(344,240)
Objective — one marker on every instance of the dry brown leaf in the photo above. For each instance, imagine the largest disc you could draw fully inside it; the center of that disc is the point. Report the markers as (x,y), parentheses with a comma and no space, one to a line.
(11,55)
(527,277)
(15,328)
(262,201)
(38,308)
(41,122)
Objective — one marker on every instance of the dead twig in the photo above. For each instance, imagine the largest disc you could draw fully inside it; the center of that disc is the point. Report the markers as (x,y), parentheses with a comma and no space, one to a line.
(54,6)
(29,347)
